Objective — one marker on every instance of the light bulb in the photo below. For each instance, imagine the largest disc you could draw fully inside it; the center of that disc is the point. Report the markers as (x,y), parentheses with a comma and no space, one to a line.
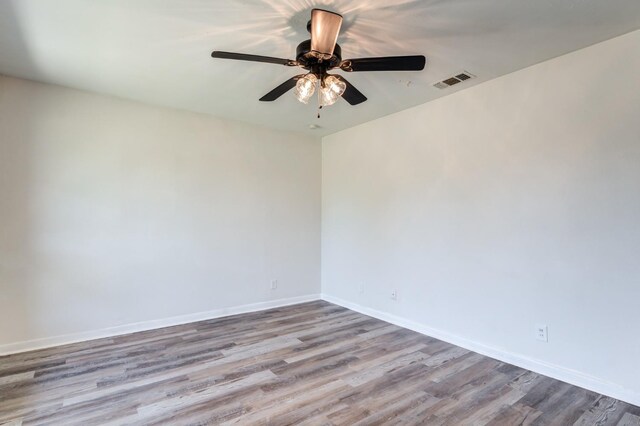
(331,89)
(305,87)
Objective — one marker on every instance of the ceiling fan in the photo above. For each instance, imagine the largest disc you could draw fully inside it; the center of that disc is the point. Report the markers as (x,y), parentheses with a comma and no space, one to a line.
(321,54)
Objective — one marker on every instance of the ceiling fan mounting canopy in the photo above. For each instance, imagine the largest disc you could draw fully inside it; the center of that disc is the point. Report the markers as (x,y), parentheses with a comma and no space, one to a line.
(320,54)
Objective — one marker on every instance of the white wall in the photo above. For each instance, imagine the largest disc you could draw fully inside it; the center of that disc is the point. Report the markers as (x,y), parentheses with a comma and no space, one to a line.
(512,203)
(113,213)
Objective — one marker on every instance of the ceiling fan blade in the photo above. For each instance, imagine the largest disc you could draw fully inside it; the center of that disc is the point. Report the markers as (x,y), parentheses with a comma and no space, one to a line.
(388,63)
(351,94)
(281,90)
(253,58)
(325,27)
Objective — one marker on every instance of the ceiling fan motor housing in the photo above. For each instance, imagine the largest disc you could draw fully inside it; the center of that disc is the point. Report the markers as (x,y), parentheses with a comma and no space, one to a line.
(309,61)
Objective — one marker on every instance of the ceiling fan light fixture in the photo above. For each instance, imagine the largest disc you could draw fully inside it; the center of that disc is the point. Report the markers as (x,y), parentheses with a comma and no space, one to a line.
(305,87)
(330,90)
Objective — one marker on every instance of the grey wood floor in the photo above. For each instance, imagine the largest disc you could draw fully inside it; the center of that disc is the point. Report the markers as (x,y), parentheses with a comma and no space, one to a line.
(313,364)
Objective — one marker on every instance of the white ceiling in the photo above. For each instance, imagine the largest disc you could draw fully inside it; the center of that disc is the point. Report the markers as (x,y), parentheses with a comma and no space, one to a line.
(158,51)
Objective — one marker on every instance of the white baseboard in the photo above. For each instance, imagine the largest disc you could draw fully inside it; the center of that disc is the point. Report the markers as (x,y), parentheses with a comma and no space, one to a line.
(564,374)
(48,342)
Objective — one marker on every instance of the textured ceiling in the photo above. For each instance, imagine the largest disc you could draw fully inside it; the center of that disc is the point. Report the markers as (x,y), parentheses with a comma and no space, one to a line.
(158,52)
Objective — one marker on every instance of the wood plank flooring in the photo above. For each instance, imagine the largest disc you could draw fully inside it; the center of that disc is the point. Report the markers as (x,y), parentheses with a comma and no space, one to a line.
(309,364)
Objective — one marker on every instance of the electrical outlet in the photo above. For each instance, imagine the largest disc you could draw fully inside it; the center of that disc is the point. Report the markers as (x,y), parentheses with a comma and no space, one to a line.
(394,294)
(274,284)
(541,332)
(361,288)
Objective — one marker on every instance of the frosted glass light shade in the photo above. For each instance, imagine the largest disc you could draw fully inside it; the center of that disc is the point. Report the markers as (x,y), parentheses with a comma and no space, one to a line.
(305,88)
(331,89)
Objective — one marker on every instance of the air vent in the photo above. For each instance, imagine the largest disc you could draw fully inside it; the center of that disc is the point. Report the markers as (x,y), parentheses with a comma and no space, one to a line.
(459,78)
(451,81)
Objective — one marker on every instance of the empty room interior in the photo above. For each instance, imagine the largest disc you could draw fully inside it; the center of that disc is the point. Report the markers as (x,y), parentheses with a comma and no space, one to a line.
(320,212)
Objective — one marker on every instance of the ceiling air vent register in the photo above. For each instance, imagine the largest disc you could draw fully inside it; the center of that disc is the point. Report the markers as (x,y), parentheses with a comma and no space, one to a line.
(451,81)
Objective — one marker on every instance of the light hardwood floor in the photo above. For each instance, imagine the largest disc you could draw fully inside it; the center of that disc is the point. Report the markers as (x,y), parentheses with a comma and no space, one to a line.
(313,364)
